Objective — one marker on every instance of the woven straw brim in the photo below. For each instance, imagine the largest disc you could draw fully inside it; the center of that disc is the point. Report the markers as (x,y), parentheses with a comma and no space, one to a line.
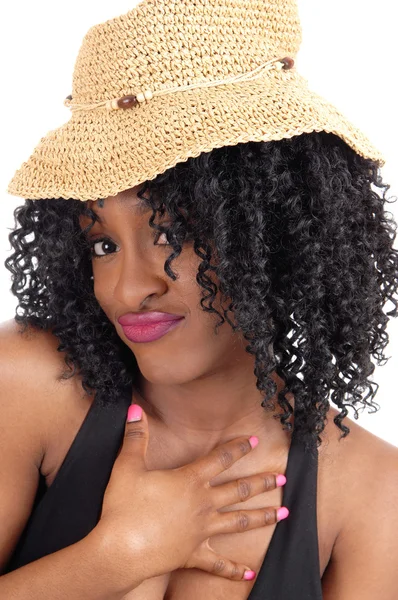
(99,153)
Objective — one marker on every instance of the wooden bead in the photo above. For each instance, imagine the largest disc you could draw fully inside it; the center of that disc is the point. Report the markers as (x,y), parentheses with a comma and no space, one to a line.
(127,102)
(112,105)
(288,63)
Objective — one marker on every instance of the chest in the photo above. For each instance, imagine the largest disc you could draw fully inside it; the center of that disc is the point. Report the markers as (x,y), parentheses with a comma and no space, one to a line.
(249,547)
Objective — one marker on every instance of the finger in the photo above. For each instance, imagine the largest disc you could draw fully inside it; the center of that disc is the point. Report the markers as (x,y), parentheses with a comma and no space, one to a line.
(135,441)
(224,456)
(242,489)
(236,521)
(208,560)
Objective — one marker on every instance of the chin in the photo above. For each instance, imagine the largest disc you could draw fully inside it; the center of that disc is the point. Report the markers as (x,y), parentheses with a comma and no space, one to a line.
(167,371)
(171,369)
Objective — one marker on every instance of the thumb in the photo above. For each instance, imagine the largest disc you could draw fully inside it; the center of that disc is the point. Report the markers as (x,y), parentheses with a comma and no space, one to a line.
(136,436)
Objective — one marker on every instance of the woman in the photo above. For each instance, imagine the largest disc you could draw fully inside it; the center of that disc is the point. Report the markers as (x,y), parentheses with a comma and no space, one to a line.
(263,254)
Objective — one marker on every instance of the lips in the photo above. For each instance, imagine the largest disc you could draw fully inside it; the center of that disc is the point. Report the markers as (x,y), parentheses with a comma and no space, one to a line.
(147,327)
(147,318)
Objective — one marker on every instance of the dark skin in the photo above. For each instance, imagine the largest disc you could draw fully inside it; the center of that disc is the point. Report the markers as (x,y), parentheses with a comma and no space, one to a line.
(357,483)
(211,396)
(198,399)
(213,392)
(199,390)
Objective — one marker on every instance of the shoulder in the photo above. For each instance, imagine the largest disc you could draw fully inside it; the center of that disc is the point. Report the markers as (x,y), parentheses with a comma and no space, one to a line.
(357,456)
(360,475)
(31,398)
(32,388)
(358,440)
(34,348)
(358,467)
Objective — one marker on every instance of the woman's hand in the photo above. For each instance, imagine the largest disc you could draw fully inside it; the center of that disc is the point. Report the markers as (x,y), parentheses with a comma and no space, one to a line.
(154,522)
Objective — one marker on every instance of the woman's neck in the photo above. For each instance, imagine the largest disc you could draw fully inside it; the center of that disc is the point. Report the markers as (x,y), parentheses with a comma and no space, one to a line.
(199,417)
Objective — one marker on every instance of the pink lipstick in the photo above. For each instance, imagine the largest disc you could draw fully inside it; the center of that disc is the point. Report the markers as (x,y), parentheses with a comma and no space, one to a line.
(147,327)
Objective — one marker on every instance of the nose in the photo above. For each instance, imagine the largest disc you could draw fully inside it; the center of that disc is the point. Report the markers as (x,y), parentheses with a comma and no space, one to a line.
(139,273)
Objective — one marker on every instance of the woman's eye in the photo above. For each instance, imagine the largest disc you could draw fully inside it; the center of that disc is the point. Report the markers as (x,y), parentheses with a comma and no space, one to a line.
(164,237)
(98,243)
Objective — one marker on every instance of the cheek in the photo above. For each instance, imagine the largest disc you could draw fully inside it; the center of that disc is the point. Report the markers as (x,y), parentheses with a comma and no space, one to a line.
(202,323)
(192,293)
(189,352)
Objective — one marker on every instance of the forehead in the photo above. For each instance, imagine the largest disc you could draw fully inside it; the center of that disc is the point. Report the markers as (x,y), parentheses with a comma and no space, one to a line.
(126,199)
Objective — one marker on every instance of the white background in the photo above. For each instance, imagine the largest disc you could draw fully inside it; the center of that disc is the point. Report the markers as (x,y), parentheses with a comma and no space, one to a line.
(349,55)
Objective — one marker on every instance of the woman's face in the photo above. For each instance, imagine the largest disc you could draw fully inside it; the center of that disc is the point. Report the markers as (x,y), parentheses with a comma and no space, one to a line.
(130,277)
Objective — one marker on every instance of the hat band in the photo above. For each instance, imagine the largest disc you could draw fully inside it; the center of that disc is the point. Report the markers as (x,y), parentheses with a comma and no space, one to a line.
(130,101)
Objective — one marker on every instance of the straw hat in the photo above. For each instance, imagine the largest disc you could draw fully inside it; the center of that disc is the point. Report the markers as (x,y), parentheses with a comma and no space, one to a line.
(171,79)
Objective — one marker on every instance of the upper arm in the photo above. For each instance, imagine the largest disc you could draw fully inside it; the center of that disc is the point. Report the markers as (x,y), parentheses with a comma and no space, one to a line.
(24,366)
(364,562)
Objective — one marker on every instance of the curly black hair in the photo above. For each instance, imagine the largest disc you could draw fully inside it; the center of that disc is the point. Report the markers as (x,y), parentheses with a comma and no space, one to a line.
(303,253)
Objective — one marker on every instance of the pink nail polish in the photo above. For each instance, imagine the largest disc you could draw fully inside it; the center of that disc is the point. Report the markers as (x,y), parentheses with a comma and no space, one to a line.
(253,441)
(134,413)
(248,575)
(282,513)
(280,480)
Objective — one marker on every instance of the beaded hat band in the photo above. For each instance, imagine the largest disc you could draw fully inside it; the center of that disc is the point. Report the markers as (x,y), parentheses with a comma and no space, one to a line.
(131,101)
(171,79)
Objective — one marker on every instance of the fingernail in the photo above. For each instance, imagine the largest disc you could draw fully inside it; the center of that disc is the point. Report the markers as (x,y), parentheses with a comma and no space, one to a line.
(280,480)
(282,513)
(249,575)
(134,413)
(253,443)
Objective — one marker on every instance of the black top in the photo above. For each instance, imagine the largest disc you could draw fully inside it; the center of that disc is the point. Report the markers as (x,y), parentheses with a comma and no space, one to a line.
(70,508)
